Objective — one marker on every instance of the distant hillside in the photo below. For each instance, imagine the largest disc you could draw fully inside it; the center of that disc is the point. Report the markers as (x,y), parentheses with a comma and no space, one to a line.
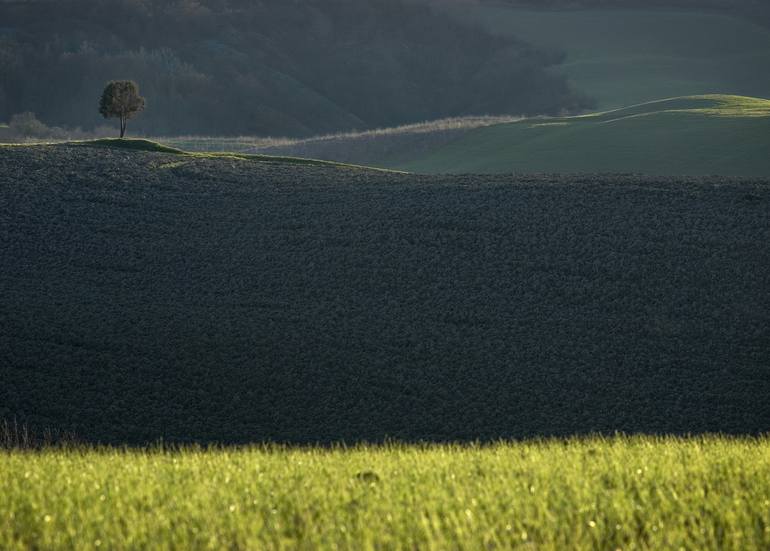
(370,147)
(622,52)
(232,67)
(299,69)
(716,134)
(148,294)
(724,135)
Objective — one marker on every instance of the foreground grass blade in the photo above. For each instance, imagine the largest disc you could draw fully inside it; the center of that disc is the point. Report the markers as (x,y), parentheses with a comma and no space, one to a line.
(620,493)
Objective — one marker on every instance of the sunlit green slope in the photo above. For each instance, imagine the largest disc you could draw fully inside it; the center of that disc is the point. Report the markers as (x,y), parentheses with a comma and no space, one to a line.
(725,135)
(621,57)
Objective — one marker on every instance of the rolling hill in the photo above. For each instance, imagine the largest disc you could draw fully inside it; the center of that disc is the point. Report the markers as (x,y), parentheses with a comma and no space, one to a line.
(726,135)
(624,56)
(693,135)
(147,293)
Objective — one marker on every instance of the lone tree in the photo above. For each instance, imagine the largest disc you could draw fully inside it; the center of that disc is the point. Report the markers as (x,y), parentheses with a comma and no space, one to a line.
(121,99)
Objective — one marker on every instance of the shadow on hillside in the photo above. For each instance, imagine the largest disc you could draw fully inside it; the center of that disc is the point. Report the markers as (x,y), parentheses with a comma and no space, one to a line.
(230,302)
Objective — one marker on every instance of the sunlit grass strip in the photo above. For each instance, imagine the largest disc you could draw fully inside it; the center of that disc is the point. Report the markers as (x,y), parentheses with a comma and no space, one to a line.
(721,105)
(714,105)
(139,144)
(620,493)
(242,143)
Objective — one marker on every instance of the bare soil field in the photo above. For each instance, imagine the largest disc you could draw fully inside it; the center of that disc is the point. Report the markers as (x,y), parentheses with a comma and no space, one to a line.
(147,295)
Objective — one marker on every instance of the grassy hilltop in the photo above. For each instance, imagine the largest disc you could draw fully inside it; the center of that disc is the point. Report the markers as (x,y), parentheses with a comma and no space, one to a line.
(153,294)
(715,134)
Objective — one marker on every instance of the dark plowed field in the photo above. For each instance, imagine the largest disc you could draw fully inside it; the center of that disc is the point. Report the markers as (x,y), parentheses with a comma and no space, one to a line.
(147,295)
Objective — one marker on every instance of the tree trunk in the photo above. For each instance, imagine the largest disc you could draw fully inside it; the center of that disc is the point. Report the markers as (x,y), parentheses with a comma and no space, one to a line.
(122,127)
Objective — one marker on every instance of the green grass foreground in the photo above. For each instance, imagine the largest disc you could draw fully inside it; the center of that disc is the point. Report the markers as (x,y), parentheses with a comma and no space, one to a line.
(618,493)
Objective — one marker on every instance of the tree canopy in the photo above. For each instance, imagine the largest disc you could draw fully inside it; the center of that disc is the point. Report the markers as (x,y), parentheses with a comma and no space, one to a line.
(121,100)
